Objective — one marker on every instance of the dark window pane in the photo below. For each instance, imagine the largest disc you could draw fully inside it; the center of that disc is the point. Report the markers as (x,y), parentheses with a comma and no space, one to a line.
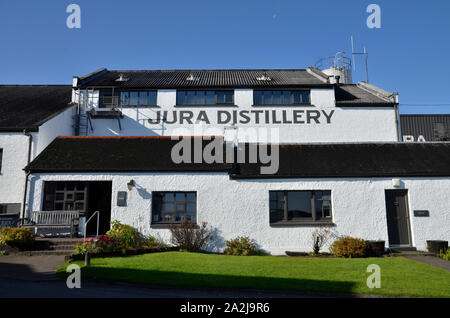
(168,207)
(299,204)
(143,98)
(228,97)
(287,97)
(220,97)
(180,97)
(210,97)
(305,96)
(190,207)
(179,197)
(179,217)
(267,97)
(152,98)
(297,98)
(257,97)
(124,98)
(323,204)
(276,97)
(191,97)
(169,197)
(201,97)
(191,196)
(134,98)
(276,206)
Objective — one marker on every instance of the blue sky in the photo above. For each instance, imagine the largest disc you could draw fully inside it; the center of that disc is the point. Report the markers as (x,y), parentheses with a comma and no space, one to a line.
(409,54)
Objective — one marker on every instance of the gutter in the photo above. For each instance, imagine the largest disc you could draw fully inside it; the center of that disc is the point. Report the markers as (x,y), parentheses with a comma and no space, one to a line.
(30,143)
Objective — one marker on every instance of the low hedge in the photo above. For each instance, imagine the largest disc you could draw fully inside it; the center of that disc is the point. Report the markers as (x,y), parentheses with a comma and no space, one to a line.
(349,247)
(20,238)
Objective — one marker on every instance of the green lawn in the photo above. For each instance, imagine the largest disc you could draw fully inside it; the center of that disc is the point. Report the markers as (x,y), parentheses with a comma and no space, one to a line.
(399,276)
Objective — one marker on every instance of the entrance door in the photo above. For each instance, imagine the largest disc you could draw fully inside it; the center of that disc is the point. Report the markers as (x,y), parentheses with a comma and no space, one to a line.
(99,199)
(398,217)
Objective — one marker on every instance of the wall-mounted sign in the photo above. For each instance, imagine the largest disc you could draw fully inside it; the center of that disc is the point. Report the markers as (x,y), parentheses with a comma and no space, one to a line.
(421,213)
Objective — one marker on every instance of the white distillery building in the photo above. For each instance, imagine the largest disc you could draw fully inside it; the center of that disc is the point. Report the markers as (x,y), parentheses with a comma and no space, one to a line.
(341,163)
(31,116)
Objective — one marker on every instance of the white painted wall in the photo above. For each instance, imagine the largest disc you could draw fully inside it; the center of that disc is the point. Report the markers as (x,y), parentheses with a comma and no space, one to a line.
(241,207)
(15,154)
(351,124)
(60,125)
(12,177)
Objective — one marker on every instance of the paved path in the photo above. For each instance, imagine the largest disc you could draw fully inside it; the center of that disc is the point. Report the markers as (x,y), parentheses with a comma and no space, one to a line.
(431,260)
(34,276)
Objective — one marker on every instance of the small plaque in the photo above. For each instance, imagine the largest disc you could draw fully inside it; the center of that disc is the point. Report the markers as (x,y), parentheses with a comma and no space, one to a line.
(121,198)
(421,213)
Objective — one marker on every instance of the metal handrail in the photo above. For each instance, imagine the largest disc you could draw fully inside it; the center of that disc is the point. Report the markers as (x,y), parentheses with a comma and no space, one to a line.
(98,222)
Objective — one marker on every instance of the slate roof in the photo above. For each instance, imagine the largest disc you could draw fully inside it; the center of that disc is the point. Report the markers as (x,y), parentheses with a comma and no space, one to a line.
(29,106)
(355,160)
(153,154)
(114,154)
(238,78)
(352,95)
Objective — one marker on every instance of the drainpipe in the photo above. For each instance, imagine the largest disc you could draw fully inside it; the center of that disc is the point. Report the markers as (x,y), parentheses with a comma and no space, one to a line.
(30,143)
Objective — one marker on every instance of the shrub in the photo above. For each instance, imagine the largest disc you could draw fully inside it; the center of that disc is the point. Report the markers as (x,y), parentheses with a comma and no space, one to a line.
(242,246)
(126,235)
(349,247)
(86,246)
(189,236)
(21,238)
(445,255)
(106,244)
(320,237)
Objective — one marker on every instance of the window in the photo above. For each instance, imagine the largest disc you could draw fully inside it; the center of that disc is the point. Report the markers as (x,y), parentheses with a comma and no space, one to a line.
(200,97)
(59,196)
(10,208)
(138,98)
(173,207)
(268,97)
(300,206)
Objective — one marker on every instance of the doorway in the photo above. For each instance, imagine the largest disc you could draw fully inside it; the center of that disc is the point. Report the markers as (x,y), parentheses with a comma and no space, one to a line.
(397,212)
(99,199)
(84,196)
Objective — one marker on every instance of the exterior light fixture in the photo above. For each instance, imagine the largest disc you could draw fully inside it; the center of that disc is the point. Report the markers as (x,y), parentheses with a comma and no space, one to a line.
(130,185)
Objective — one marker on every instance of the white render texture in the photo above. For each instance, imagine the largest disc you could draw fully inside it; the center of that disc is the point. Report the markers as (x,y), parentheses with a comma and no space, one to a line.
(241,207)
(15,153)
(348,124)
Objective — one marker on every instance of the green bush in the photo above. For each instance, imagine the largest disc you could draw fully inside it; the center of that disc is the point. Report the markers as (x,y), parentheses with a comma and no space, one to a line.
(17,237)
(445,255)
(127,236)
(86,246)
(242,246)
(349,247)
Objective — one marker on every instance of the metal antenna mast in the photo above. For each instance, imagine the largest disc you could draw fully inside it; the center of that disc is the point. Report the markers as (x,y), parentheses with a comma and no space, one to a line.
(365,59)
